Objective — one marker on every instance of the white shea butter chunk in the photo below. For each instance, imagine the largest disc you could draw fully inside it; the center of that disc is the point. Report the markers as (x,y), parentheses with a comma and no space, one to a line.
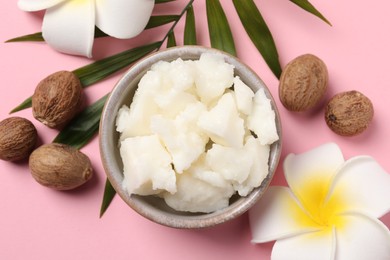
(195,195)
(259,155)
(122,119)
(244,96)
(200,190)
(233,164)
(182,74)
(178,74)
(213,77)
(151,82)
(135,120)
(223,123)
(147,166)
(180,136)
(172,102)
(176,89)
(262,119)
(202,171)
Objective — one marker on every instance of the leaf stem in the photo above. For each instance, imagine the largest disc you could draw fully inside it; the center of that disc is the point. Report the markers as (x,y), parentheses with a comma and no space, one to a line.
(175,23)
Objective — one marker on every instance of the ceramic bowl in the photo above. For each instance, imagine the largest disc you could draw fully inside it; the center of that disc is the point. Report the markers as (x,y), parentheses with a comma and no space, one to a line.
(154,208)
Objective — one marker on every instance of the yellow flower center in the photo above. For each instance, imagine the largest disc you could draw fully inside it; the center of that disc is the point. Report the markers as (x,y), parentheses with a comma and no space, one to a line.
(321,210)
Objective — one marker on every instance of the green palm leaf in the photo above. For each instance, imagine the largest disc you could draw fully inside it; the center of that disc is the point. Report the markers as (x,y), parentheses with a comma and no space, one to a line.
(154,21)
(159,20)
(171,40)
(37,37)
(190,28)
(34,37)
(83,127)
(109,194)
(259,33)
(103,68)
(219,30)
(307,6)
(24,105)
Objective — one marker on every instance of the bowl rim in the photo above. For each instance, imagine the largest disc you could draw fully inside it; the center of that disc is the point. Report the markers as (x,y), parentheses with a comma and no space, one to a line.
(114,174)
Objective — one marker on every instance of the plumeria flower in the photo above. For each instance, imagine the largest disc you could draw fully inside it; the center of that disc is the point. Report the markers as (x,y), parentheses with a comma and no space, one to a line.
(69,25)
(329,211)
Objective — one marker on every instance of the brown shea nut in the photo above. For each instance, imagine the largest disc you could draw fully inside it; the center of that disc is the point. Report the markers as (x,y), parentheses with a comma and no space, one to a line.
(57,99)
(60,166)
(18,137)
(303,83)
(349,113)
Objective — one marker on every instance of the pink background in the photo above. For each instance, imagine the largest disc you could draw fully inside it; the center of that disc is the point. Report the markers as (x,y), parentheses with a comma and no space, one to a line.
(39,223)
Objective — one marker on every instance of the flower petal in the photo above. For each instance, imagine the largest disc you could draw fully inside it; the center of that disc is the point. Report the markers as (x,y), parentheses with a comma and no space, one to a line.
(362,238)
(318,245)
(309,174)
(277,215)
(69,27)
(123,18)
(362,185)
(37,5)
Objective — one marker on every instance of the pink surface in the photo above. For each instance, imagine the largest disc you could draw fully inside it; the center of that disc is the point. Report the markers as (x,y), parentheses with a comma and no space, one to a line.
(39,223)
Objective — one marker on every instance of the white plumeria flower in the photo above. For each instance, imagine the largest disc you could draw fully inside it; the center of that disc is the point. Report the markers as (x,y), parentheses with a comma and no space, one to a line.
(330,211)
(69,25)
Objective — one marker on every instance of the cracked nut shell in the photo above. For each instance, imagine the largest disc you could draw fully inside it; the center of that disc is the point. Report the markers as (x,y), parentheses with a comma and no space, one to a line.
(18,137)
(60,166)
(349,113)
(303,83)
(57,99)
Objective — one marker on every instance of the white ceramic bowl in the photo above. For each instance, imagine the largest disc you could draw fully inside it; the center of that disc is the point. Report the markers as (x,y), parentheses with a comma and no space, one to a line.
(154,208)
